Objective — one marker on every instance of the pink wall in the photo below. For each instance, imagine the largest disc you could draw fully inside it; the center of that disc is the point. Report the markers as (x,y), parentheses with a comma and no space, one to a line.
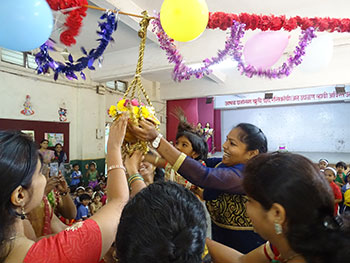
(196,110)
(205,112)
(190,107)
(217,130)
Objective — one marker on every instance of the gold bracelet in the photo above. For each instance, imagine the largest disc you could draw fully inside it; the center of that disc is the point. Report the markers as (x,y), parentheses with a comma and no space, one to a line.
(112,167)
(133,178)
(156,160)
(179,162)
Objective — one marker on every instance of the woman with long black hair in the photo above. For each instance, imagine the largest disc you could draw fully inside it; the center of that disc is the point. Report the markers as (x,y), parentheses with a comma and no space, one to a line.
(291,205)
(23,187)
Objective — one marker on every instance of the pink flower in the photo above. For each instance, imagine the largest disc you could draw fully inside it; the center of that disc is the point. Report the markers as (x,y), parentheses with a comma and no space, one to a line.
(134,102)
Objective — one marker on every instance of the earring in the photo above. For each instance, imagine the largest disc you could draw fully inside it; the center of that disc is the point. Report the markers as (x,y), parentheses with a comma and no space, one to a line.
(278,228)
(23,213)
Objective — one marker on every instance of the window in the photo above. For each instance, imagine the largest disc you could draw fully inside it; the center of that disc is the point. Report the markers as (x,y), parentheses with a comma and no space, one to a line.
(121,85)
(13,57)
(117,85)
(111,85)
(23,59)
(30,61)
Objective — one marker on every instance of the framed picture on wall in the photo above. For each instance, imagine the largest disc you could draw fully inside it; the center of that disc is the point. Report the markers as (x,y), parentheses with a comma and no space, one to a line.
(30,133)
(54,138)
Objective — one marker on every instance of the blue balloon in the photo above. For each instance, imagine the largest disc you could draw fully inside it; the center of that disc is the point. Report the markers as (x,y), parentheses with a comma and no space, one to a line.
(24,24)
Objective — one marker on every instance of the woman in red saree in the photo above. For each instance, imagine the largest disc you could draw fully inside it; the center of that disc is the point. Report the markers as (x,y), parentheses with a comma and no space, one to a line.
(23,188)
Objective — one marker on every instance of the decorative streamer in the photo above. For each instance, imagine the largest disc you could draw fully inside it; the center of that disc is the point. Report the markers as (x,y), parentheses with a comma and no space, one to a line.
(264,22)
(45,61)
(73,20)
(286,68)
(233,48)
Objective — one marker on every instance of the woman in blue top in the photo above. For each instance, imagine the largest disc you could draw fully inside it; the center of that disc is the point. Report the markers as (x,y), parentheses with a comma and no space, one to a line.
(221,180)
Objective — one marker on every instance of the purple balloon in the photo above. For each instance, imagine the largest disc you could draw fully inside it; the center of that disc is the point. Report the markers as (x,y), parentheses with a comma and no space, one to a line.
(264,49)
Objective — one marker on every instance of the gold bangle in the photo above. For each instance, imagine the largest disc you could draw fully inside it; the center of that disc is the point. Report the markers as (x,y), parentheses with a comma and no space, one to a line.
(179,162)
(133,178)
(156,161)
(112,167)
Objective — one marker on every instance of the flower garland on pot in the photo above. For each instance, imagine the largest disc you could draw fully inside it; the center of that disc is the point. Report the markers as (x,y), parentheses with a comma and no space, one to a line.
(74,18)
(264,22)
(233,48)
(45,61)
(137,111)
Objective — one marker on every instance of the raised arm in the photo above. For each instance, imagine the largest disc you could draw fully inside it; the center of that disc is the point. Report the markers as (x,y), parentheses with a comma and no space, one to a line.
(155,160)
(66,206)
(118,193)
(146,132)
(132,164)
(225,179)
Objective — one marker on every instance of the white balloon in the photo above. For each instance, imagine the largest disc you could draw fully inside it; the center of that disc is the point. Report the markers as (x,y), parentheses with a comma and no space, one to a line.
(318,54)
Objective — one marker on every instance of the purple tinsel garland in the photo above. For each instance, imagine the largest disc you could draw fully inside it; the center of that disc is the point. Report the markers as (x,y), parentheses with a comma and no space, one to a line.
(45,61)
(233,48)
(286,68)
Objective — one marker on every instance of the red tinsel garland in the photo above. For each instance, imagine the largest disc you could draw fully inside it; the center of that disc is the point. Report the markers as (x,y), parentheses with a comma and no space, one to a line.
(263,22)
(73,20)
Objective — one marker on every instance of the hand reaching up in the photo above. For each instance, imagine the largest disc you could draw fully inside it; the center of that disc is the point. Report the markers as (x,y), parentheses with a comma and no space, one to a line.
(117,133)
(145,131)
(132,162)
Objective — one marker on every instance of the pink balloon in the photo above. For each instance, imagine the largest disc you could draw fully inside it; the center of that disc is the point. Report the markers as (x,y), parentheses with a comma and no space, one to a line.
(264,49)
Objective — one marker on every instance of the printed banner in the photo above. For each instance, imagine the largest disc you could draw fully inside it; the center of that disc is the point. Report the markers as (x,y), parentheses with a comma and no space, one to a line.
(311,95)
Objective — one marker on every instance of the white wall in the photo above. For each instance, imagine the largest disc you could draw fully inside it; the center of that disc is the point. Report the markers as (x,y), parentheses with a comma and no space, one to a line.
(314,130)
(87,110)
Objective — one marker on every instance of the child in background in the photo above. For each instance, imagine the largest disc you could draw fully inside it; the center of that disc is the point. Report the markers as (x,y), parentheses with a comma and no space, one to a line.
(83,208)
(340,177)
(92,174)
(104,197)
(76,175)
(78,192)
(330,174)
(96,203)
(322,164)
(102,180)
(98,190)
(190,143)
(89,191)
(346,197)
(346,189)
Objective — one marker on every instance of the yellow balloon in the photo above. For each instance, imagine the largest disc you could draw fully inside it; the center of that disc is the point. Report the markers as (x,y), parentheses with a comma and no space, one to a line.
(184,20)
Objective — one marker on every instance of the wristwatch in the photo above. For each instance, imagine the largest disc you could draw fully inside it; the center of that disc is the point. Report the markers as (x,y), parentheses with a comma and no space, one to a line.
(156,141)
